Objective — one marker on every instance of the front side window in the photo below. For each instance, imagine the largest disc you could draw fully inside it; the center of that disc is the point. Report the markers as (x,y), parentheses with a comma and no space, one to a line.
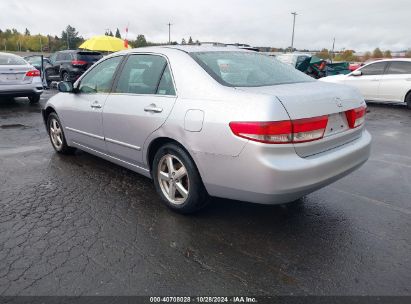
(399,67)
(143,74)
(248,69)
(373,69)
(100,78)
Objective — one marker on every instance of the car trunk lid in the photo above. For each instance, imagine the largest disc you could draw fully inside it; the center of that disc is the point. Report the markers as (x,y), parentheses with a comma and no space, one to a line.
(14,74)
(315,99)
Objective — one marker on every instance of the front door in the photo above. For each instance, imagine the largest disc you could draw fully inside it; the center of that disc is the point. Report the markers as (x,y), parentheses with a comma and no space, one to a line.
(368,82)
(140,103)
(83,112)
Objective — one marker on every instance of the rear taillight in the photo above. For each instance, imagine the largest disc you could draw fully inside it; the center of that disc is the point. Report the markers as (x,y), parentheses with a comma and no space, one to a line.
(78,62)
(356,117)
(282,132)
(33,73)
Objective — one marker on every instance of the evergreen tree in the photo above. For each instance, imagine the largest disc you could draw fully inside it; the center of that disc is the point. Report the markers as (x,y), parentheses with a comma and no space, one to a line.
(27,32)
(118,35)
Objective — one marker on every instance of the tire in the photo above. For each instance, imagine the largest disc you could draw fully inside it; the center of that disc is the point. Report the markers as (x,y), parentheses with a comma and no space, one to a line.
(65,77)
(56,135)
(34,99)
(190,194)
(408,100)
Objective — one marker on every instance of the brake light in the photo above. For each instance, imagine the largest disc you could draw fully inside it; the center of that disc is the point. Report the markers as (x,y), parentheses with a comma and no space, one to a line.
(356,117)
(282,132)
(33,73)
(78,62)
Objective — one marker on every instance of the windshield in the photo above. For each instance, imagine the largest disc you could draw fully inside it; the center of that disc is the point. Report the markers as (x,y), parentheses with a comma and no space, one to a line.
(248,69)
(6,59)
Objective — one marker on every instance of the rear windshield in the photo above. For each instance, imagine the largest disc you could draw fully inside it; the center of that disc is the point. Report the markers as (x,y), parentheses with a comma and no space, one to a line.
(6,59)
(89,56)
(248,69)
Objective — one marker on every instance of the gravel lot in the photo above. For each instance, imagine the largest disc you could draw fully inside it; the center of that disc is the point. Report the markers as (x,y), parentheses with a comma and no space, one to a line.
(79,225)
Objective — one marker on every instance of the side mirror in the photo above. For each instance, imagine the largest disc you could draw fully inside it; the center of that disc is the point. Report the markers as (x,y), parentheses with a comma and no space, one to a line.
(356,73)
(65,87)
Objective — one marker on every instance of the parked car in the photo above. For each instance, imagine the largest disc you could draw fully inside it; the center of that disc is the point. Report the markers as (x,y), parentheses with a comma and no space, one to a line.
(18,78)
(386,80)
(258,131)
(294,59)
(70,65)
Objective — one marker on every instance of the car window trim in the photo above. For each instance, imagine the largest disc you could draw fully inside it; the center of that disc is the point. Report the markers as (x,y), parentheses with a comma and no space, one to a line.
(115,83)
(100,62)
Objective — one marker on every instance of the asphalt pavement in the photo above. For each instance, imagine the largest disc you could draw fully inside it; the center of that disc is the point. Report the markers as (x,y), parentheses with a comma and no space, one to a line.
(79,225)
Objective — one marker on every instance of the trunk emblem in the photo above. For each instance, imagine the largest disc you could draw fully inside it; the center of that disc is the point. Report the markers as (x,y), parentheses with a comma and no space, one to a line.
(338,101)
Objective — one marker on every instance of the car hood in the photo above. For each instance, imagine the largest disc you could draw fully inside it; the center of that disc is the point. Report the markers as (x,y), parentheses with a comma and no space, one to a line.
(334,78)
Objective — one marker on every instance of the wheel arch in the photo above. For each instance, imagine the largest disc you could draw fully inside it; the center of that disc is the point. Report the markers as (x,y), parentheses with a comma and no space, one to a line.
(46,112)
(157,143)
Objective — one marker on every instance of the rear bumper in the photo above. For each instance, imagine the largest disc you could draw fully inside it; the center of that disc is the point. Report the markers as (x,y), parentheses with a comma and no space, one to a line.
(22,90)
(265,176)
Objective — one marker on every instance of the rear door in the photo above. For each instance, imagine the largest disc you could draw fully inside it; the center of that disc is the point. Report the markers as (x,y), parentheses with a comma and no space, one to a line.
(396,81)
(369,81)
(82,113)
(52,71)
(140,103)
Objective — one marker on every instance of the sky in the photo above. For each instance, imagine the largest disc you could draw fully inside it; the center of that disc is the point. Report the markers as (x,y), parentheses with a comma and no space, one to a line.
(361,25)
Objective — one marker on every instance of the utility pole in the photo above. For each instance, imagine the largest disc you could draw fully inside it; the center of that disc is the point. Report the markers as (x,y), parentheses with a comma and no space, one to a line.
(68,40)
(292,37)
(169,32)
(332,52)
(41,45)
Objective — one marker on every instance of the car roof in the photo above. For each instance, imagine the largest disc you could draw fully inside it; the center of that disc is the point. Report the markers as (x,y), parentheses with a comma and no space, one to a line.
(391,59)
(184,48)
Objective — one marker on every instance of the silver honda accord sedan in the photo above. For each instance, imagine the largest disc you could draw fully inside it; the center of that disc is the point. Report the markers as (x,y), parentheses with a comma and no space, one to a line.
(212,121)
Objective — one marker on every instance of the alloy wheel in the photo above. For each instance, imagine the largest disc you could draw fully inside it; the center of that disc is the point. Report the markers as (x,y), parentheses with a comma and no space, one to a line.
(173,179)
(56,134)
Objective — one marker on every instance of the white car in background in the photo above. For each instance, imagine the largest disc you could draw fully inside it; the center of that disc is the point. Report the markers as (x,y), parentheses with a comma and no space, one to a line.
(386,80)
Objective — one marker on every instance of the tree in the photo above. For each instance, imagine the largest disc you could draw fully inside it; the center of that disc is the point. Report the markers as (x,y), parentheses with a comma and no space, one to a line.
(183,41)
(108,33)
(190,40)
(27,32)
(140,41)
(198,42)
(71,38)
(387,54)
(347,55)
(367,56)
(118,35)
(323,54)
(377,53)
(408,54)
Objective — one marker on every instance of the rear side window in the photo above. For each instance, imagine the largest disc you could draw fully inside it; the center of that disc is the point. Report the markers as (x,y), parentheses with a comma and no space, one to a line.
(144,74)
(248,69)
(6,59)
(399,67)
(374,68)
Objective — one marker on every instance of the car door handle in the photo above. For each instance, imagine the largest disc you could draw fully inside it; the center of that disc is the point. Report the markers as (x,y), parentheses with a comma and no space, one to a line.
(95,105)
(153,108)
